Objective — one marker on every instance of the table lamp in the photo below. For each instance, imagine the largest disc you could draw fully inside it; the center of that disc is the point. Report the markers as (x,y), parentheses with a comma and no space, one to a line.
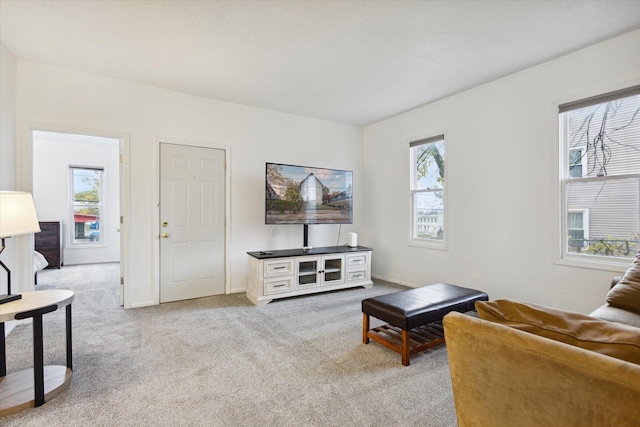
(17,217)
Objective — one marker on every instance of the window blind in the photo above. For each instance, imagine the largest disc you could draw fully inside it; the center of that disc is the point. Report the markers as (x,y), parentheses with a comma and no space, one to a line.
(430,139)
(622,93)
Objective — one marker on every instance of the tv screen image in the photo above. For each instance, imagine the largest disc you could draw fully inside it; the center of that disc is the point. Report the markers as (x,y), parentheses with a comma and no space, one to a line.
(308,195)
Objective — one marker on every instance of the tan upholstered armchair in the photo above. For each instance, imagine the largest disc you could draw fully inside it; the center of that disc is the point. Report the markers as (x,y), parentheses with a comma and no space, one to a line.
(504,376)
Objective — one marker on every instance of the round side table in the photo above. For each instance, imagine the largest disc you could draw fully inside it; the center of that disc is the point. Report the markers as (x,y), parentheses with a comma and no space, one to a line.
(32,387)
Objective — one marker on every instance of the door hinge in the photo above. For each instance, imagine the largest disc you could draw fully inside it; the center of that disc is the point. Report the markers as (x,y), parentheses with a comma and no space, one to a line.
(121,219)
(121,158)
(122,280)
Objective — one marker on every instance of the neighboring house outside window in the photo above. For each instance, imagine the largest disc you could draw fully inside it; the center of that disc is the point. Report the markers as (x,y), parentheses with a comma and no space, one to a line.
(86,204)
(577,157)
(427,188)
(578,229)
(600,174)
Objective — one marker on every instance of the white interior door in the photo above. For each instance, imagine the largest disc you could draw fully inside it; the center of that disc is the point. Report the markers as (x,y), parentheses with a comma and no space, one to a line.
(192,222)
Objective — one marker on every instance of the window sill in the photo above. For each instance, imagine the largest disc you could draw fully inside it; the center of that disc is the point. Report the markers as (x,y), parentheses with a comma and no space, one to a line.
(618,266)
(442,246)
(87,245)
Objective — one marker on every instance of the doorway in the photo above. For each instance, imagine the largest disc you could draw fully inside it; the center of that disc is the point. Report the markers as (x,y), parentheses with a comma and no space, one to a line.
(192,222)
(77,182)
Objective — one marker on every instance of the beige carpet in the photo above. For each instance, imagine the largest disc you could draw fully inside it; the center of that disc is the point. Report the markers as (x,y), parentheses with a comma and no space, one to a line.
(220,361)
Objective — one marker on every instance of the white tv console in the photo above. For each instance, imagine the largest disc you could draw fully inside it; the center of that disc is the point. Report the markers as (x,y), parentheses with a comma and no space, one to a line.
(293,272)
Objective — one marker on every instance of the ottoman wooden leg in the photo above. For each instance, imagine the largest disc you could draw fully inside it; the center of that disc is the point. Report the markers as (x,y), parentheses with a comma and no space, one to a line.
(365,328)
(406,354)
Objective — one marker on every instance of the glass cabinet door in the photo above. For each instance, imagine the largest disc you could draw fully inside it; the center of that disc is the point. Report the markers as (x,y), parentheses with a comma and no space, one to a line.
(333,270)
(308,273)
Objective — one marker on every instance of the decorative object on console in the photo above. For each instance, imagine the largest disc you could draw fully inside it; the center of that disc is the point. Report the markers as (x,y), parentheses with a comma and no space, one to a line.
(17,217)
(353,240)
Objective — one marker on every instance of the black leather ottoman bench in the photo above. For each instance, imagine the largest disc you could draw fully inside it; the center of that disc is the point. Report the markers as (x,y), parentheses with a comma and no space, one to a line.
(414,316)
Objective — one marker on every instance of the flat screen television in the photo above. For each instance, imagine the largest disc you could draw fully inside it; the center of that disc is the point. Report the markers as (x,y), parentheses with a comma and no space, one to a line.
(308,195)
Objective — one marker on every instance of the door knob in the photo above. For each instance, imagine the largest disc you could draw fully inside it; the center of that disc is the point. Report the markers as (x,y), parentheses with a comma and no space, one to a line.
(165,235)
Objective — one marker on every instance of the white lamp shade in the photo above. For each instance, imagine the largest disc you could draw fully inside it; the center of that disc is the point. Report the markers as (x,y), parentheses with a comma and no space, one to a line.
(17,214)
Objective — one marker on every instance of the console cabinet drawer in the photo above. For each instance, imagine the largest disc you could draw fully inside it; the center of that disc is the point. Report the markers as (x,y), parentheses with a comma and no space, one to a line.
(357,276)
(355,261)
(278,268)
(274,286)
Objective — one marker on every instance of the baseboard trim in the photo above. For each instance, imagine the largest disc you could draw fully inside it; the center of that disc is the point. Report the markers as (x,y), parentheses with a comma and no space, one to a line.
(397,282)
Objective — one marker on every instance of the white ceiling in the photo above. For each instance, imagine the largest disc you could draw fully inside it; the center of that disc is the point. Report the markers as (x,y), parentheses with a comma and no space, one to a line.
(354,62)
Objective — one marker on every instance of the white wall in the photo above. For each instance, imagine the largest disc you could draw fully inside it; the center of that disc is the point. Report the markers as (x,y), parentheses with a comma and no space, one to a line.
(53,155)
(502,159)
(55,97)
(7,146)
(503,190)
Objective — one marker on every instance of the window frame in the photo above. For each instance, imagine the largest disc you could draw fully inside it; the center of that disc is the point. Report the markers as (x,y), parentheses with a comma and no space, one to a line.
(72,241)
(413,192)
(601,262)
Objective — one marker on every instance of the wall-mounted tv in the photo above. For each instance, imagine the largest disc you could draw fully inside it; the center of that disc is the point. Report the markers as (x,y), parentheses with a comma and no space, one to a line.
(308,195)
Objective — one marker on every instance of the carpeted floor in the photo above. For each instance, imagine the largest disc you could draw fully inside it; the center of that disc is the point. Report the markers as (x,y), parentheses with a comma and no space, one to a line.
(220,361)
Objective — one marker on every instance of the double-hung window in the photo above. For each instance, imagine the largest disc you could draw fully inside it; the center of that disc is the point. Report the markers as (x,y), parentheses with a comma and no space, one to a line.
(86,204)
(427,188)
(600,176)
